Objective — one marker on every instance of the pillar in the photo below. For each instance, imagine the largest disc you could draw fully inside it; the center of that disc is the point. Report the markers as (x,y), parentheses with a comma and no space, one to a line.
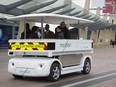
(83,32)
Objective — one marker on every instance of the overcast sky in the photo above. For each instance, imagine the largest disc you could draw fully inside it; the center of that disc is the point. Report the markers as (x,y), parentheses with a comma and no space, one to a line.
(94,3)
(98,3)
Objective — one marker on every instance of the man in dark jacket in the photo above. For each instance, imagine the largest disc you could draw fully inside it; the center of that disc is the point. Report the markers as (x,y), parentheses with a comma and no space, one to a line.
(48,34)
(113,43)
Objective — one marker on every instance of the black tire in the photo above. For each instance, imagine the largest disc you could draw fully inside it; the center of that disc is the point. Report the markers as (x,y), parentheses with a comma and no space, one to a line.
(17,76)
(87,67)
(55,72)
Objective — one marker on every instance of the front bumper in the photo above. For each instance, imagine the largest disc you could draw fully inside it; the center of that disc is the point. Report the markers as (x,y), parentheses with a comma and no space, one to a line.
(32,67)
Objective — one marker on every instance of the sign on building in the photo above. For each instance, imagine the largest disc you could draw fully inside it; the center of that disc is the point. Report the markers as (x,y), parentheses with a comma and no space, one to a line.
(110,6)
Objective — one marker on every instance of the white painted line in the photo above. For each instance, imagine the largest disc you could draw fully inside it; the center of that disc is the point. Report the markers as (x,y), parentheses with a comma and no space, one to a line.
(88,80)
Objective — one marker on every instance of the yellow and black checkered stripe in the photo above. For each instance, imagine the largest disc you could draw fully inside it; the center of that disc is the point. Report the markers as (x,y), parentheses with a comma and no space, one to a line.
(31,46)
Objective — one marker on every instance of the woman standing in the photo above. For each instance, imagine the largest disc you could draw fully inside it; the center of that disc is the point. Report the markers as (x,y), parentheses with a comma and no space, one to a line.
(58,33)
(64,30)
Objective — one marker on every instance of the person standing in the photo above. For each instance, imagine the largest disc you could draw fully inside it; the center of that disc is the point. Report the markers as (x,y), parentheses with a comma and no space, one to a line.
(58,33)
(34,34)
(110,42)
(64,30)
(113,43)
(48,34)
(28,32)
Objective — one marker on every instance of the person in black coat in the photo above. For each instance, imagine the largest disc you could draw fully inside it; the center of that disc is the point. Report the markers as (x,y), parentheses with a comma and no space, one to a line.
(113,43)
(73,33)
(28,32)
(33,34)
(64,30)
(58,33)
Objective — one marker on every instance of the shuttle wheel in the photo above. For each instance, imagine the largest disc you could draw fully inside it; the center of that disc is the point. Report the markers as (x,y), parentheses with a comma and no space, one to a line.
(17,76)
(87,67)
(55,72)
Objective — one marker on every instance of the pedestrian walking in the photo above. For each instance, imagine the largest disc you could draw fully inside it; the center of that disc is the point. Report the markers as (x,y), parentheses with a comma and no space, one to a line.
(113,43)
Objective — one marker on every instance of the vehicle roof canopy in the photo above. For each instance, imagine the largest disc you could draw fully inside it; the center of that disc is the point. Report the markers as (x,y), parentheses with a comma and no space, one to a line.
(49,18)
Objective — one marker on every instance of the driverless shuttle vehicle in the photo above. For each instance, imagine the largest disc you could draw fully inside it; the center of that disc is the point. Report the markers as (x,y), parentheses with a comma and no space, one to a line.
(49,57)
